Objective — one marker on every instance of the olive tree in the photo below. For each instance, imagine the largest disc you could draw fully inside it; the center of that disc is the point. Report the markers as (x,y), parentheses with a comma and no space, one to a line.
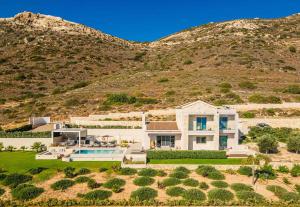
(267,144)
(293,143)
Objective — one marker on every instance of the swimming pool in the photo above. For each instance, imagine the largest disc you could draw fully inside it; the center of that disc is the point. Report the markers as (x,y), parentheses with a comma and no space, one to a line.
(99,151)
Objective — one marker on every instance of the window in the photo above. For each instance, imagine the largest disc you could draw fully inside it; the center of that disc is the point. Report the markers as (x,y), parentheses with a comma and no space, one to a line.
(223,122)
(201,123)
(200,140)
(165,141)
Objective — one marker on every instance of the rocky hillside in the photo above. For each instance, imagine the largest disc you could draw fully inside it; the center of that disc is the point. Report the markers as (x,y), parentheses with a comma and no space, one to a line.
(50,66)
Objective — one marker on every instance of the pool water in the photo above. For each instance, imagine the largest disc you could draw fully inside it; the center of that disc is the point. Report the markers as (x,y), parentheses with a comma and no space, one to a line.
(99,151)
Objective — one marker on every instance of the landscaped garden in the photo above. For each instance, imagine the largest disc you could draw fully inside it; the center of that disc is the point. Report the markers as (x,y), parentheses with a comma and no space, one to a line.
(106,183)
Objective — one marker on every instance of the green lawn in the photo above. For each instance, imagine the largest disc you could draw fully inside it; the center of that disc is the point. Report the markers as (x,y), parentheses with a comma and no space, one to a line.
(23,161)
(231,161)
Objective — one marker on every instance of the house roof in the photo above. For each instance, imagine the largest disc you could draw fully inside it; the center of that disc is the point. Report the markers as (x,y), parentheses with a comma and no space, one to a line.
(70,130)
(162,125)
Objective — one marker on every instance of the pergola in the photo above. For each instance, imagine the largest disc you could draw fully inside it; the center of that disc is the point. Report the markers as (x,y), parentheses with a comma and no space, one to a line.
(77,133)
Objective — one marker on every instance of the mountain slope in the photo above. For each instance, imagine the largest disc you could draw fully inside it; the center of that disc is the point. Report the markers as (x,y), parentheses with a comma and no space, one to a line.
(49,66)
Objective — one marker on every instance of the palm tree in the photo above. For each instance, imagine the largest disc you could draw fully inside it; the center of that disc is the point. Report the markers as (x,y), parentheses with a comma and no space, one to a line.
(36,146)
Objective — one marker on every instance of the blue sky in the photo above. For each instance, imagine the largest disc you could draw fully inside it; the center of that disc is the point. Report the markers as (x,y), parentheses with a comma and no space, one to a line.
(147,20)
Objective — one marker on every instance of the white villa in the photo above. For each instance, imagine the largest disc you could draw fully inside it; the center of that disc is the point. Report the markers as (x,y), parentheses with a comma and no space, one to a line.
(198,126)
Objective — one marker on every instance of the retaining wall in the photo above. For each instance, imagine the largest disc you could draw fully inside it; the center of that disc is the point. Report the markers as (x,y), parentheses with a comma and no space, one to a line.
(27,142)
(135,135)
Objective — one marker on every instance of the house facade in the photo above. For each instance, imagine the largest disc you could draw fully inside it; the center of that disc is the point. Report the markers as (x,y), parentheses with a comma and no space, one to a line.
(198,126)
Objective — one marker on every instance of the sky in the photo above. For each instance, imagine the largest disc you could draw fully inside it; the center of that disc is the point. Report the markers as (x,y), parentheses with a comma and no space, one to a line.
(148,20)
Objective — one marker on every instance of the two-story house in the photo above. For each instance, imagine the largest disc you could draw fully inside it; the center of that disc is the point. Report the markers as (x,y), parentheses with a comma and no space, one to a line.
(198,126)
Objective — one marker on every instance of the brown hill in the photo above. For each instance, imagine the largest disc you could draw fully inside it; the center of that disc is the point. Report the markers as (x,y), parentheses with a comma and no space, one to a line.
(50,66)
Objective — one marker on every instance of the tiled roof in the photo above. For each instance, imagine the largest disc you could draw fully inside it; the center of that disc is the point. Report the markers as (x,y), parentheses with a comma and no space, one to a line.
(162,125)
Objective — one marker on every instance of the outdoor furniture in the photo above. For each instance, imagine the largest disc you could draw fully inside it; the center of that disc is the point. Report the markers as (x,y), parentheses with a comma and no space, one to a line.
(71,142)
(104,144)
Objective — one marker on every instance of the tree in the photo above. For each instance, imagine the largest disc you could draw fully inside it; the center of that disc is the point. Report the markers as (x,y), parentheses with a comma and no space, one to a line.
(10,148)
(38,147)
(293,143)
(23,148)
(1,146)
(267,144)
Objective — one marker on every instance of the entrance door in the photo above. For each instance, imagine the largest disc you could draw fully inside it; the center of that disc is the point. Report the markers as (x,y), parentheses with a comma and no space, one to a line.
(223,142)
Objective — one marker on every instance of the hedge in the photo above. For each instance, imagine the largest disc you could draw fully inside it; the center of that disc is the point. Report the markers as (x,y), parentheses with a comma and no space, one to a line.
(26,192)
(25,134)
(186,154)
(194,194)
(143,194)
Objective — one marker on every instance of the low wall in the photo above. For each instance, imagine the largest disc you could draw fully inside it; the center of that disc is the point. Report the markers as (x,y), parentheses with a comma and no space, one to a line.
(88,122)
(247,107)
(121,134)
(27,142)
(173,166)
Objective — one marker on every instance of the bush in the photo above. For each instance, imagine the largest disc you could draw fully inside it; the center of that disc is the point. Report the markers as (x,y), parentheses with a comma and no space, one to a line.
(295,171)
(257,98)
(293,143)
(225,85)
(2,191)
(83,171)
(182,169)
(219,184)
(114,182)
(245,170)
(194,195)
(161,173)
(70,172)
(143,181)
(250,197)
(210,172)
(277,190)
(103,169)
(292,49)
(128,171)
(12,180)
(290,197)
(190,182)
(220,195)
(120,98)
(203,186)
(143,194)
(170,182)
(62,184)
(247,115)
(297,188)
(147,172)
(283,169)
(186,154)
(267,144)
(292,89)
(247,85)
(2,176)
(82,179)
(175,191)
(38,170)
(26,192)
(97,195)
(266,172)
(179,175)
(92,184)
(241,187)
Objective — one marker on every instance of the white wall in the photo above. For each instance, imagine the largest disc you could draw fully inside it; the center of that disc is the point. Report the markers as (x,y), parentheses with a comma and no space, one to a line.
(209,145)
(27,142)
(122,134)
(88,122)
(247,107)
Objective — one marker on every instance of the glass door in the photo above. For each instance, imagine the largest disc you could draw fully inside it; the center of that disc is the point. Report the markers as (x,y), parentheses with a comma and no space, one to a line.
(201,123)
(223,142)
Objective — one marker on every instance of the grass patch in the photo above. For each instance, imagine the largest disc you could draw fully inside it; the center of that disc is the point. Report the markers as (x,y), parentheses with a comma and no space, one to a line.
(231,161)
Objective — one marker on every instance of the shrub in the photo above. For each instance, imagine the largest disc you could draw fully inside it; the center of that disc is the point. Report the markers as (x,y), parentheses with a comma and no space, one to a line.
(143,194)
(147,172)
(250,197)
(2,191)
(266,172)
(128,171)
(210,172)
(179,175)
(247,85)
(241,187)
(247,115)
(190,182)
(175,191)
(290,197)
(2,176)
(182,169)
(170,182)
(62,184)
(82,179)
(161,173)
(292,89)
(292,49)
(26,192)
(163,80)
(295,171)
(83,171)
(219,184)
(70,172)
(194,195)
(297,188)
(203,186)
(267,144)
(257,98)
(220,195)
(277,190)
(38,170)
(245,170)
(114,182)
(92,184)
(186,154)
(286,181)
(12,180)
(143,181)
(187,62)
(103,169)
(225,85)
(97,195)
(293,143)
(283,169)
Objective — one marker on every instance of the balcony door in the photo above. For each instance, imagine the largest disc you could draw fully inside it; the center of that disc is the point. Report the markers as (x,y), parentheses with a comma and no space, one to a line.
(223,142)
(223,122)
(201,123)
(165,141)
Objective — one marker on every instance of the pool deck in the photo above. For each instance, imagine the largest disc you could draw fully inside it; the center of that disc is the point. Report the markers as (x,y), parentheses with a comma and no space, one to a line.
(99,156)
